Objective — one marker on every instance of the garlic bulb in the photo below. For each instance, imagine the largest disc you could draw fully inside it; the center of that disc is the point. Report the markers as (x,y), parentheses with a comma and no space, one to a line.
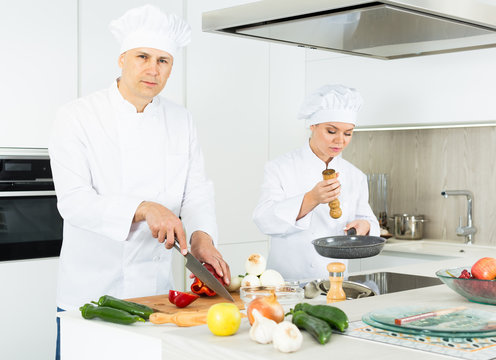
(287,337)
(271,278)
(250,280)
(262,329)
(255,264)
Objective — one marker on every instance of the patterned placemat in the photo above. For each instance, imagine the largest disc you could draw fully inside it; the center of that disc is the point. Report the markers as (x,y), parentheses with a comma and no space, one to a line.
(463,348)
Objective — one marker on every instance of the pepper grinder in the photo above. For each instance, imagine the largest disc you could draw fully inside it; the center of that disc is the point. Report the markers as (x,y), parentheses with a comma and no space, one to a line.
(335,211)
(336,277)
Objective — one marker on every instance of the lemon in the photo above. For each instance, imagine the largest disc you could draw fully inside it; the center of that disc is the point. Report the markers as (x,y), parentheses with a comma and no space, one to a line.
(223,319)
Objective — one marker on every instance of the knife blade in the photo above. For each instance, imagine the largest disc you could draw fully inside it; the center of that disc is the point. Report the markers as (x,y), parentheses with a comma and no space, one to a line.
(203,274)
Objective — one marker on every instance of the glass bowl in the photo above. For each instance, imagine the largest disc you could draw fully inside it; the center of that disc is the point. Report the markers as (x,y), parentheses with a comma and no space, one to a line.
(479,291)
(286,294)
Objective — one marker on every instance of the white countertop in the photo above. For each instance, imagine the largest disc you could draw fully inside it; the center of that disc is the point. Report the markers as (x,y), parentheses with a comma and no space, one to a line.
(168,341)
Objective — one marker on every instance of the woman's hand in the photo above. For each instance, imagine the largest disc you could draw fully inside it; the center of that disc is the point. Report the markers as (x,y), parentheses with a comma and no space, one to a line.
(202,248)
(163,224)
(323,192)
(362,227)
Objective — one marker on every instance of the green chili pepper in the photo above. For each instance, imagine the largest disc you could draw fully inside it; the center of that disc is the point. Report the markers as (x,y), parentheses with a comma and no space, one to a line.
(90,311)
(132,308)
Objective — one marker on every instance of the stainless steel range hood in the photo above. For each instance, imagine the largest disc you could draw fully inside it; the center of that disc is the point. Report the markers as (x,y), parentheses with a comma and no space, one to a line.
(377,29)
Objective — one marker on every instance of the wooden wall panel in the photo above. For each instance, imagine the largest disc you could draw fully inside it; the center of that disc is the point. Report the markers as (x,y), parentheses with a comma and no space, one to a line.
(422,163)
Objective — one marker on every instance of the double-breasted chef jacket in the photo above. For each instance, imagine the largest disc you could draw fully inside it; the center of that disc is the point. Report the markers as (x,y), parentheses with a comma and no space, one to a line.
(286,180)
(106,159)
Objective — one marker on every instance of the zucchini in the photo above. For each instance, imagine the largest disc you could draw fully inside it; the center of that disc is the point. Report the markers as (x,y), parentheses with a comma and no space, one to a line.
(335,317)
(319,329)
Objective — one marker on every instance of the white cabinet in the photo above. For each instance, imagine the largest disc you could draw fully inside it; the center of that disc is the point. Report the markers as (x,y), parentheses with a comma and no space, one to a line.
(28,324)
(443,89)
(39,67)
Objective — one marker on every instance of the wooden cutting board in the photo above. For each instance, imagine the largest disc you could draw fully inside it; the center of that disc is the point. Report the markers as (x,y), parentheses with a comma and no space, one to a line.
(191,315)
(161,303)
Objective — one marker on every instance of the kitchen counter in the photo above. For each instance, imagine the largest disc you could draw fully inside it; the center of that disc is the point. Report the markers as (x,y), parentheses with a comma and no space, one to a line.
(83,339)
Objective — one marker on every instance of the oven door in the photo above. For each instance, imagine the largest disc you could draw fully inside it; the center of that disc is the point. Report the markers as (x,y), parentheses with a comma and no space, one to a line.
(30,225)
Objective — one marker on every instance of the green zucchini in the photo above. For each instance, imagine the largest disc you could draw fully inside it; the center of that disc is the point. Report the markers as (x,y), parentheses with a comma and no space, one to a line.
(319,329)
(335,317)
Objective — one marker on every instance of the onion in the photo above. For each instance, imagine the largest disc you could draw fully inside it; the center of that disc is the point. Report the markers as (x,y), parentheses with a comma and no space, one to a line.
(250,280)
(267,306)
(255,264)
(271,278)
(235,284)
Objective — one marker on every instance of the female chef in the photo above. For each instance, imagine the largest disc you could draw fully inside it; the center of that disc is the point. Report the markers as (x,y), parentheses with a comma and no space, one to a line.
(293,208)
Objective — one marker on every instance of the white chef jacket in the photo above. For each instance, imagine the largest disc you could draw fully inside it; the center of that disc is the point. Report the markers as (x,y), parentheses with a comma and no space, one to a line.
(106,159)
(287,179)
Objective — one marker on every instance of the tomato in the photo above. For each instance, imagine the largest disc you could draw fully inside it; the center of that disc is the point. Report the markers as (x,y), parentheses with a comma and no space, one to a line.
(223,319)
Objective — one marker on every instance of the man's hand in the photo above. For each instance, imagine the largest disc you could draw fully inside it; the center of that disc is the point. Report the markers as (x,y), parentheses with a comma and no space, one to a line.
(362,227)
(202,248)
(163,223)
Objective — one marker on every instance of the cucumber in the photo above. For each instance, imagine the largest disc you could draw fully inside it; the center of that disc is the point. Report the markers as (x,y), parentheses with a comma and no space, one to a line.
(319,329)
(335,317)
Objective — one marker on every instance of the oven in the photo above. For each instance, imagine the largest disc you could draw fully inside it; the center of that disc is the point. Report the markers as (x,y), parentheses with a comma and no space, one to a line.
(30,224)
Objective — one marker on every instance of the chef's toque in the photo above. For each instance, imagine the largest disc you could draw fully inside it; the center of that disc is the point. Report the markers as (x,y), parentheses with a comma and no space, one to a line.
(147,26)
(331,103)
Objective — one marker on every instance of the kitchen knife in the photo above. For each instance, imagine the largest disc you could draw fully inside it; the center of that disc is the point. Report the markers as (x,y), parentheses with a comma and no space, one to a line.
(204,275)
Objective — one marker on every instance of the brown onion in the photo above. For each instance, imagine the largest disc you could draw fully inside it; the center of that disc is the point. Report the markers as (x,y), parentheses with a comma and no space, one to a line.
(268,306)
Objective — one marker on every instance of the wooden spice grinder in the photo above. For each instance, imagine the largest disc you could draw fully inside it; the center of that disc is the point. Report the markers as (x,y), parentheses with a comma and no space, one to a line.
(334,205)
(336,277)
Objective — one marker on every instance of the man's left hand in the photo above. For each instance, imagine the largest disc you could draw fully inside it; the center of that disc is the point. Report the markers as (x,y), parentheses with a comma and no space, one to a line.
(202,248)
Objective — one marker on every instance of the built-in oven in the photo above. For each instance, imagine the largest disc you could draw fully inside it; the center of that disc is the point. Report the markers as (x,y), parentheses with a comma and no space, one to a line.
(30,224)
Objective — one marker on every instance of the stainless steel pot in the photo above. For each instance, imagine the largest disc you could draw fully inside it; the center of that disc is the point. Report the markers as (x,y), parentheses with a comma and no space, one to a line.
(409,227)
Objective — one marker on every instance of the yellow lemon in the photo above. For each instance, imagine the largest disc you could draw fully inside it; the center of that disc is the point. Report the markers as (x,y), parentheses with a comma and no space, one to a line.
(223,319)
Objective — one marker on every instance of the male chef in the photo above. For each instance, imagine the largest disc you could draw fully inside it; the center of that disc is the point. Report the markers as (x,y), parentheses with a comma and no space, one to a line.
(129,174)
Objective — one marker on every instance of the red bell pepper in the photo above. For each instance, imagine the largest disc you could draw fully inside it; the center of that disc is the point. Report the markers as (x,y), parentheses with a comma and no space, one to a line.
(181,299)
(198,287)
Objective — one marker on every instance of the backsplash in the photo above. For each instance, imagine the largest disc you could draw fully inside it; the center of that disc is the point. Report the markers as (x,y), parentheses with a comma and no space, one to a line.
(422,163)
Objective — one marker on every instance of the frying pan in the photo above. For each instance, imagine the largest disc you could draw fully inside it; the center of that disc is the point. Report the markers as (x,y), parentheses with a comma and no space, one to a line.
(349,246)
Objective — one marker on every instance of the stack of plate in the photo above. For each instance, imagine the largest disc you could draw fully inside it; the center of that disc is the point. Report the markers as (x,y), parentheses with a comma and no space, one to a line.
(465,323)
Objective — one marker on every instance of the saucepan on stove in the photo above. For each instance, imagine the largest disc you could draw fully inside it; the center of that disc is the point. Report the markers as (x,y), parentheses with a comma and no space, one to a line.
(350,246)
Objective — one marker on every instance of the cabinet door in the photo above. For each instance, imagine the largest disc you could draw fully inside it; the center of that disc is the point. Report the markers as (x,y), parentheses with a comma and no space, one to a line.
(38,69)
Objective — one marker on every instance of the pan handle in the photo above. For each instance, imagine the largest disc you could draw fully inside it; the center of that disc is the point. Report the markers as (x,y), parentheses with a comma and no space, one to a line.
(351,231)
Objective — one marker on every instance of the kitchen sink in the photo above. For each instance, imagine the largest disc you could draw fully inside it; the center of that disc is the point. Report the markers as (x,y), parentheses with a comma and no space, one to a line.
(373,284)
(390,282)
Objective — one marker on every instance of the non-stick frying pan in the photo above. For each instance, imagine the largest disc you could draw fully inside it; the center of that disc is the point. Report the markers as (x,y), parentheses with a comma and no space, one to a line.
(349,246)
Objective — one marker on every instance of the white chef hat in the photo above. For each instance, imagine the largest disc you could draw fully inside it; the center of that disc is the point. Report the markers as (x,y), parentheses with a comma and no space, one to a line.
(331,103)
(147,26)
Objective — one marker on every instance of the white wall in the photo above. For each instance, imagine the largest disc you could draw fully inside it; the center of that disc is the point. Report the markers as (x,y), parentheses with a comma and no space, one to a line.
(228,95)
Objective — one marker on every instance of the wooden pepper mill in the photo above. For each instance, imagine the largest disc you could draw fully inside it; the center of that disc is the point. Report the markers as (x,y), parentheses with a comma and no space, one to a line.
(335,211)
(336,277)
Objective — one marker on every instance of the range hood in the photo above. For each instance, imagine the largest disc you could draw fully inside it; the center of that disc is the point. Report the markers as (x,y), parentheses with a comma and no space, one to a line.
(377,29)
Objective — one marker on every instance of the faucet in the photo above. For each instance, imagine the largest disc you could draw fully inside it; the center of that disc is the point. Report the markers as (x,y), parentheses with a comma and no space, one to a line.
(469,230)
